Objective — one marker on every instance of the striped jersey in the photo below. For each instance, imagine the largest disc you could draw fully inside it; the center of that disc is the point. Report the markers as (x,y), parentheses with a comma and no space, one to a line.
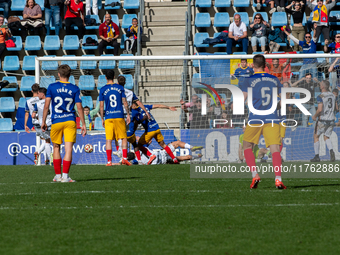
(30,108)
(327,99)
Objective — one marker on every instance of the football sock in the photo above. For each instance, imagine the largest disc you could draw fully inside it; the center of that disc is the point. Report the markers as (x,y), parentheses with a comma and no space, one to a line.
(44,153)
(316,147)
(124,153)
(277,162)
(145,151)
(57,166)
(42,147)
(187,146)
(329,144)
(250,160)
(48,150)
(137,153)
(66,166)
(168,150)
(109,155)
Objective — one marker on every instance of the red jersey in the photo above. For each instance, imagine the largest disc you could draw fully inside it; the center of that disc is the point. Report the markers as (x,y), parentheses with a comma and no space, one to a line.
(76,9)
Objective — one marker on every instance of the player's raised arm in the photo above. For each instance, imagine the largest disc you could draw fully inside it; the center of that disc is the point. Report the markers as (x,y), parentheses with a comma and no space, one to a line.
(82,118)
(331,68)
(126,106)
(162,106)
(46,108)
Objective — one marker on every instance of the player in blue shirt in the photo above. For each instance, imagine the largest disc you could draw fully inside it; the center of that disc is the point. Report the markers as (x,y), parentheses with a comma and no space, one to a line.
(115,128)
(63,96)
(151,130)
(244,71)
(263,87)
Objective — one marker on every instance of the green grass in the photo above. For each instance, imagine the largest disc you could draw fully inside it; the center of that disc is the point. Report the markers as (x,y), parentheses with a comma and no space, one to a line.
(160,210)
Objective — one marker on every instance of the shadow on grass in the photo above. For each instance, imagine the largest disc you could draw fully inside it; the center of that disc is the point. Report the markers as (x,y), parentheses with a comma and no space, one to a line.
(316,185)
(109,179)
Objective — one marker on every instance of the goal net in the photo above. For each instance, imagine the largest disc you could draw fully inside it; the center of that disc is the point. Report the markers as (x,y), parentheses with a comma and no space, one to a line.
(207,116)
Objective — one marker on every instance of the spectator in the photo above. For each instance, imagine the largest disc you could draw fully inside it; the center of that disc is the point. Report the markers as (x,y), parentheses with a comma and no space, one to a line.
(298,31)
(108,32)
(280,6)
(320,17)
(94,7)
(244,71)
(308,46)
(267,2)
(276,69)
(260,29)
(32,15)
(224,116)
(131,42)
(6,5)
(333,47)
(89,115)
(310,84)
(335,67)
(188,106)
(237,35)
(75,16)
(3,33)
(52,9)
(199,121)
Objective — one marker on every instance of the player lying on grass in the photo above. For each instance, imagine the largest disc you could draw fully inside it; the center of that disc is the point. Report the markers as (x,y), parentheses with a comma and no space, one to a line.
(325,124)
(151,130)
(162,157)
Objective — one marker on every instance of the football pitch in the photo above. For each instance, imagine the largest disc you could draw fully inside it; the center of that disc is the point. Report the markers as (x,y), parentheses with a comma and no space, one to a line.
(161,210)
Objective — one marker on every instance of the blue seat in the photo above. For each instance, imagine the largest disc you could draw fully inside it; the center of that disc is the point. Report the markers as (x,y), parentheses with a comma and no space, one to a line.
(96,17)
(26,83)
(86,82)
(72,80)
(71,42)
(52,42)
(242,3)
(28,63)
(107,64)
(71,63)
(22,102)
(98,124)
(202,19)
(219,45)
(263,14)
(11,63)
(107,2)
(336,14)
(88,64)
(18,44)
(87,101)
(221,19)
(18,5)
(127,20)
(198,40)
(49,65)
(7,104)
(126,64)
(244,17)
(101,81)
(94,47)
(45,81)
(203,3)
(10,79)
(33,42)
(279,19)
(128,81)
(114,18)
(6,124)
(122,42)
(222,3)
(131,4)
(239,53)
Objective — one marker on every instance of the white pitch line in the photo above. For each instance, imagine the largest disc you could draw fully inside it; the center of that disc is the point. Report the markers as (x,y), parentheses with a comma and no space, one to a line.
(165,206)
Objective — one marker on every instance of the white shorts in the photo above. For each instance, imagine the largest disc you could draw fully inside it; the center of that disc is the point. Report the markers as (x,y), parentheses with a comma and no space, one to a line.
(325,127)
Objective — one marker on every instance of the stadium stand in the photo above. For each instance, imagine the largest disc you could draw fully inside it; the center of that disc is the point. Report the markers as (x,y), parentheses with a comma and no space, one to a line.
(128,81)
(90,47)
(279,19)
(71,42)
(244,17)
(18,44)
(96,18)
(49,65)
(18,5)
(11,63)
(107,64)
(219,45)
(242,3)
(13,80)
(109,6)
(33,43)
(126,64)
(86,82)
(7,104)
(131,4)
(52,42)
(203,3)
(221,19)
(6,124)
(88,64)
(222,3)
(98,125)
(263,14)
(26,83)
(202,20)
(72,64)
(87,101)
(101,81)
(198,40)
(45,81)
(127,20)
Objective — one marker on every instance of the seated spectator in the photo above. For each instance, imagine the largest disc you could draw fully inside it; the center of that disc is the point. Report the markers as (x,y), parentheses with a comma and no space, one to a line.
(94,7)
(108,32)
(310,84)
(131,41)
(237,35)
(308,46)
(3,33)
(242,72)
(6,5)
(298,31)
(276,69)
(32,15)
(320,17)
(52,9)
(280,6)
(75,16)
(267,2)
(89,115)
(332,47)
(260,29)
